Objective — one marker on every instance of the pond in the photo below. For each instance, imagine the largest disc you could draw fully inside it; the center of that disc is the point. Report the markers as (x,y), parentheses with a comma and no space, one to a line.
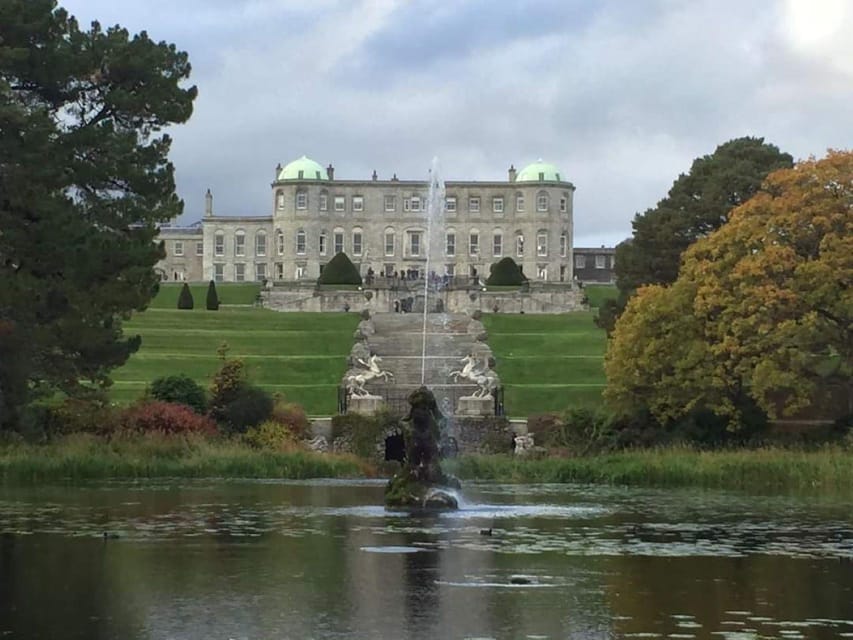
(322,559)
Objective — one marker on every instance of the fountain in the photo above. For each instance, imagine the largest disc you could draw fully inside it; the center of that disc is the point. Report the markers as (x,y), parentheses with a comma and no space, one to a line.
(421,483)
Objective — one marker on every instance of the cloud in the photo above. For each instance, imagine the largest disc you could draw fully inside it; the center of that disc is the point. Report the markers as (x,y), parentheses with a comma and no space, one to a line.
(622,96)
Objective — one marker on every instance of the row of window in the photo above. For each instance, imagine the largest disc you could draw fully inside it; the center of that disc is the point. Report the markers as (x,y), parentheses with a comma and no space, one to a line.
(179,248)
(418,203)
(600,262)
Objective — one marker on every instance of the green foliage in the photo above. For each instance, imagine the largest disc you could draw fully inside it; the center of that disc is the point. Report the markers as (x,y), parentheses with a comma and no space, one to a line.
(86,182)
(270,435)
(291,416)
(697,204)
(249,407)
(166,418)
(340,270)
(212,300)
(505,273)
(228,293)
(185,300)
(180,389)
(364,432)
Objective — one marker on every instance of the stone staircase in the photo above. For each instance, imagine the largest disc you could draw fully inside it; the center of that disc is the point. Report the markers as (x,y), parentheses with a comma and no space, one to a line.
(398,339)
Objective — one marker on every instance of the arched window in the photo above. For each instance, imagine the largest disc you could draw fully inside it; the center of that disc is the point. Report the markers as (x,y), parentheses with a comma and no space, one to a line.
(219,243)
(542,201)
(239,243)
(323,241)
(301,242)
(389,241)
(279,241)
(357,241)
(261,243)
(301,199)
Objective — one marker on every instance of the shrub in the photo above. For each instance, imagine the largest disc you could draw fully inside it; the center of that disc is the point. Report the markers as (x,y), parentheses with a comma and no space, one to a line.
(226,385)
(166,418)
(185,299)
(505,273)
(212,302)
(72,415)
(180,389)
(364,431)
(292,416)
(340,270)
(250,407)
(270,435)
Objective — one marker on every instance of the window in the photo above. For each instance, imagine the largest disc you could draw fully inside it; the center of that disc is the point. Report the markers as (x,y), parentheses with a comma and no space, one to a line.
(260,243)
(415,203)
(450,270)
(339,241)
(179,248)
(199,248)
(415,243)
(279,271)
(564,244)
(542,272)
(358,203)
(219,244)
(301,199)
(498,204)
(389,270)
(390,203)
(300,271)
(260,271)
(239,272)
(300,243)
(600,262)
(356,243)
(564,204)
(219,272)
(240,243)
(389,242)
(450,244)
(279,199)
(519,203)
(519,245)
(450,204)
(542,202)
(405,204)
(474,205)
(474,243)
(613,261)
(580,262)
(279,242)
(497,244)
(322,243)
(339,203)
(542,244)
(324,202)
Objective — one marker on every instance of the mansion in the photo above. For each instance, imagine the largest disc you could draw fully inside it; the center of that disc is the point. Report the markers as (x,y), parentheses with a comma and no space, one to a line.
(381,225)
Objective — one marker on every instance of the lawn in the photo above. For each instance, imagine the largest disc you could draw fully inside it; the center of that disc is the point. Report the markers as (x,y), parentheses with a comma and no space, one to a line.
(300,355)
(547,362)
(229,293)
(598,293)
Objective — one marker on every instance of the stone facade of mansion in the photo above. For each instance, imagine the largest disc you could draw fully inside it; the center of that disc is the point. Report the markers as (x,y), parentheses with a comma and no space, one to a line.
(381,225)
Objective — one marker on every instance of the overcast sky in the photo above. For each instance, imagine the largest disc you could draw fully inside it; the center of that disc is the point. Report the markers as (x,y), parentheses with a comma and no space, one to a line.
(621,95)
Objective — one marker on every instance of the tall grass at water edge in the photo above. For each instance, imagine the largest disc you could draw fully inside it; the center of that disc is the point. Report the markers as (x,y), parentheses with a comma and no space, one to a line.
(81,457)
(826,469)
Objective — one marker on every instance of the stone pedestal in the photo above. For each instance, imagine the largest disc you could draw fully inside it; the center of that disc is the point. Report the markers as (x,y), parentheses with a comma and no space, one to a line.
(473,407)
(365,405)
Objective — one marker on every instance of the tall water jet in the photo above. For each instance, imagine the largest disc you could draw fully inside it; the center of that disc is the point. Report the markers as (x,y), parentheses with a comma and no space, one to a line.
(434,212)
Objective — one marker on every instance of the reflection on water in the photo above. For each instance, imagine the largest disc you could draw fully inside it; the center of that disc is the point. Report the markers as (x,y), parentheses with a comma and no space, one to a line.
(246,559)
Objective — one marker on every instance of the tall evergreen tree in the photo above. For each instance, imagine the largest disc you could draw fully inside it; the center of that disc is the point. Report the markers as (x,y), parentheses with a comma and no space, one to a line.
(84,182)
(698,203)
(212,302)
(185,298)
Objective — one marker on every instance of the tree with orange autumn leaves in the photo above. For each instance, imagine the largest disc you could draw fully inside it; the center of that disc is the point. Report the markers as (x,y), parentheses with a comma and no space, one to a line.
(762,308)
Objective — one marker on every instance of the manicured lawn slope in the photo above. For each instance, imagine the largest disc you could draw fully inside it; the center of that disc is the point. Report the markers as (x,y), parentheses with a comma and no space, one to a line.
(598,293)
(547,363)
(229,293)
(301,355)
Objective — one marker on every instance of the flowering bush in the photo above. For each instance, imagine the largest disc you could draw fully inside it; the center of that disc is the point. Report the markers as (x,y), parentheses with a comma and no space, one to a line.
(167,418)
(270,435)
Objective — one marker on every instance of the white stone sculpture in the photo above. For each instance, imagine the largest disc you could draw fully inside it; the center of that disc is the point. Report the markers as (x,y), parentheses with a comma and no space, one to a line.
(356,381)
(484,377)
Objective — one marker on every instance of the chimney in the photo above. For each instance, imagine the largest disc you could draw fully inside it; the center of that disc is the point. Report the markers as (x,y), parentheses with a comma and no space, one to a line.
(375,176)
(330,171)
(277,171)
(208,204)
(394,178)
(512,173)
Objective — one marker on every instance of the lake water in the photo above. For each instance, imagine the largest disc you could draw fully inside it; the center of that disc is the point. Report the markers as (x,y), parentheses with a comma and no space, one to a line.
(321,559)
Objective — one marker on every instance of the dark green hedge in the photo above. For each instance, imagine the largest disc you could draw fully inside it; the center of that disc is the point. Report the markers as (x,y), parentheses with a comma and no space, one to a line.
(340,270)
(505,273)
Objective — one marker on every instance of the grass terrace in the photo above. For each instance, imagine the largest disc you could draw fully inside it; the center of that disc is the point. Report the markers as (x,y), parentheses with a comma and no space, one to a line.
(300,355)
(598,293)
(547,362)
(236,293)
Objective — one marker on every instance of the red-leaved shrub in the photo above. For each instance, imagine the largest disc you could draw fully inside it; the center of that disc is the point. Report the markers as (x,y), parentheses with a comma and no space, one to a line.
(166,417)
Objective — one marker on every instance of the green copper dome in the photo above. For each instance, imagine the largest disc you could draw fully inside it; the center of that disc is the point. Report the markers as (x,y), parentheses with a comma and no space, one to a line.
(539,171)
(303,169)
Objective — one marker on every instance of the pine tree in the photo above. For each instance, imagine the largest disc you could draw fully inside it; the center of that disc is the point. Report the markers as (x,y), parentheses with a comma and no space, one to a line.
(212,302)
(185,299)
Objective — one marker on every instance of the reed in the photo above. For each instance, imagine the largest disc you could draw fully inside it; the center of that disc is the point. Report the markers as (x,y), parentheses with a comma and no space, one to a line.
(825,469)
(82,457)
